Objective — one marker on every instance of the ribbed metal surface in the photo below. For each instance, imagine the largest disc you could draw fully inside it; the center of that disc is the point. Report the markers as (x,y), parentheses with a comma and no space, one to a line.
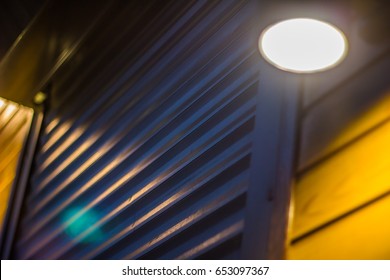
(145,151)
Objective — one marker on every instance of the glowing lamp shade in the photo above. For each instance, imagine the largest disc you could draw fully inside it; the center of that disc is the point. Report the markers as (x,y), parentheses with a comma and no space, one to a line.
(303,45)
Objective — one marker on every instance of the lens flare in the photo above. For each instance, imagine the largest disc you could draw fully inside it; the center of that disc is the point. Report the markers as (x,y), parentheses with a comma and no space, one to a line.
(79,224)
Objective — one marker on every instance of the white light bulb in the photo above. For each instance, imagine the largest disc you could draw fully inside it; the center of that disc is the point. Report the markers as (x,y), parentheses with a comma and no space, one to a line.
(303,45)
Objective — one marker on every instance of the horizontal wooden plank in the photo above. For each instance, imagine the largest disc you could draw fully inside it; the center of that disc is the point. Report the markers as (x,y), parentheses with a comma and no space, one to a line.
(361,235)
(355,107)
(343,182)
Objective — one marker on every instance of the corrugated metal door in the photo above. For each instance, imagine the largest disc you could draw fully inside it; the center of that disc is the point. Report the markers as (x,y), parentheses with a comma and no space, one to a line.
(146,146)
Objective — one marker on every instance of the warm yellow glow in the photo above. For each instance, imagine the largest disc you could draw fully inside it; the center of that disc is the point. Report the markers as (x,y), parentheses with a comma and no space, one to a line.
(14,125)
(303,45)
(344,182)
(9,111)
(40,97)
(356,178)
(363,235)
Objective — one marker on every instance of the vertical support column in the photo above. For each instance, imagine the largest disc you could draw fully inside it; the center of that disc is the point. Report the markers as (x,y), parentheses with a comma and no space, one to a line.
(272,165)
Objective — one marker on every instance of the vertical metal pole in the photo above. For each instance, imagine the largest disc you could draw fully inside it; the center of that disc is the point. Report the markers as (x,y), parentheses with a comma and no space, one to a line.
(272,165)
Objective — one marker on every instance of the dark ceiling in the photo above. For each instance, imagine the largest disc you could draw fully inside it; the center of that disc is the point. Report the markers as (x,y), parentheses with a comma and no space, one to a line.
(15,15)
(64,27)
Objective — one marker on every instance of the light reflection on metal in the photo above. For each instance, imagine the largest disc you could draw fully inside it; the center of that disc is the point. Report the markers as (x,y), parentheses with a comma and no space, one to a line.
(303,45)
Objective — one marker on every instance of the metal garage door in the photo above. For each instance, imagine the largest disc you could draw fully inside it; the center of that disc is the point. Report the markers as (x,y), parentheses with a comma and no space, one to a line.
(146,145)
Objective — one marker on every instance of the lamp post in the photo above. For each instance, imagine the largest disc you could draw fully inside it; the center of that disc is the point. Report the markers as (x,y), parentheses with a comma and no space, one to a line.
(291,49)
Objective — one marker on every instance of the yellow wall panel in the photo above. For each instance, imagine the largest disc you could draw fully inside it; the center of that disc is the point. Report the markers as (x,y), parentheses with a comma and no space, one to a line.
(364,234)
(14,127)
(347,180)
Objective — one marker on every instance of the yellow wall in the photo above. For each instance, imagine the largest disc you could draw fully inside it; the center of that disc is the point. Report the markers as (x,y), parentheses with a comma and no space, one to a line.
(14,125)
(342,205)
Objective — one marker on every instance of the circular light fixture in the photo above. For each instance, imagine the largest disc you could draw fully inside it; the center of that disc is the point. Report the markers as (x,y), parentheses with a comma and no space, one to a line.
(303,45)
